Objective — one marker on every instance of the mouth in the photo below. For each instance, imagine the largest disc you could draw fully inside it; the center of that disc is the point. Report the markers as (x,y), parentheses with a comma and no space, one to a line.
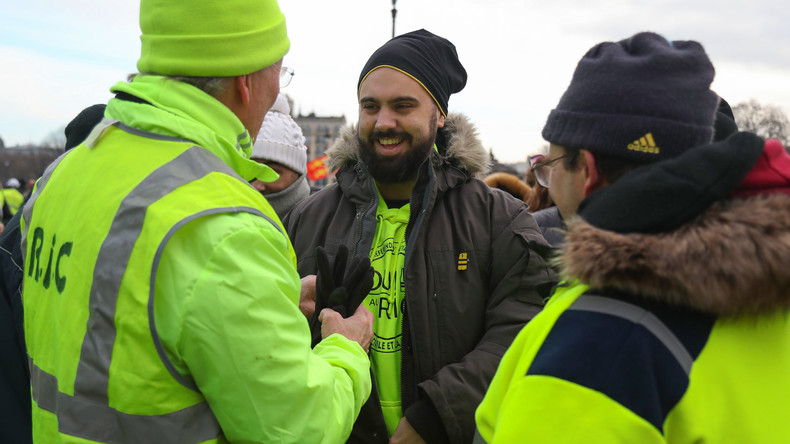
(389,145)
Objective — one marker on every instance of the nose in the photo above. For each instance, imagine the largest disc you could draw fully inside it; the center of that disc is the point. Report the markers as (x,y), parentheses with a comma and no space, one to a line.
(258,185)
(385,120)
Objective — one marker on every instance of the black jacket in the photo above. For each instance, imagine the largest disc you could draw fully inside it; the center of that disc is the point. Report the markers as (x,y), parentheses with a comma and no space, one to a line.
(458,322)
(15,413)
(15,420)
(551,225)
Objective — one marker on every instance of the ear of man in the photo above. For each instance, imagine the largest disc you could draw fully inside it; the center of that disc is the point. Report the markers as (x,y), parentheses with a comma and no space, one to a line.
(244,87)
(593,179)
(236,93)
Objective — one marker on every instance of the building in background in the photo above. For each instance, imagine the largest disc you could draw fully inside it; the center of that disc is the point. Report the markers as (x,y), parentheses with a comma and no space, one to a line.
(319,133)
(25,162)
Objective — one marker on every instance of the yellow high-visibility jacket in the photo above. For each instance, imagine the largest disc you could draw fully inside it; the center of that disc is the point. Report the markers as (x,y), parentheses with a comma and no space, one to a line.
(647,356)
(161,294)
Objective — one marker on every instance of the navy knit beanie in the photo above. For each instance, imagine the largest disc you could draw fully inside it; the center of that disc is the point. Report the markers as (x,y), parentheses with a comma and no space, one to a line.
(724,125)
(642,99)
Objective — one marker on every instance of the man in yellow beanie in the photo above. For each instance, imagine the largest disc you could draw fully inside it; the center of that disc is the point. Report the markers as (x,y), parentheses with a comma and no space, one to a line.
(162,306)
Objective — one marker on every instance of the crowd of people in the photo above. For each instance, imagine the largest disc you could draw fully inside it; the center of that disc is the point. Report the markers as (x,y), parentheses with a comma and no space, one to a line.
(631,287)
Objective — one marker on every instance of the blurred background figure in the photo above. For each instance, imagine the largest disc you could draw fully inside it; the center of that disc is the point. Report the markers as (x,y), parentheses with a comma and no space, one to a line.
(15,413)
(539,199)
(527,189)
(81,126)
(28,188)
(281,146)
(510,183)
(546,214)
(12,183)
(12,199)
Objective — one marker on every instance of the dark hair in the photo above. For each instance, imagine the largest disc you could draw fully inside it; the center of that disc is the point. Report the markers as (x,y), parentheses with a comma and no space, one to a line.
(610,167)
(539,198)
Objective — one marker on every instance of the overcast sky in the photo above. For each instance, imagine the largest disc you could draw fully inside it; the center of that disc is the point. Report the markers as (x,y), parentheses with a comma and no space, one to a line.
(60,56)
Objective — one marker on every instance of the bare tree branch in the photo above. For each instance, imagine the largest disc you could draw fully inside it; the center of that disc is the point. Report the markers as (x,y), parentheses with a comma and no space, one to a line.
(767,121)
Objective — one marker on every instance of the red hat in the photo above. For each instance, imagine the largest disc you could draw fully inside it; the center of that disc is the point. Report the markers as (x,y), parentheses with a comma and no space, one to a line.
(771,173)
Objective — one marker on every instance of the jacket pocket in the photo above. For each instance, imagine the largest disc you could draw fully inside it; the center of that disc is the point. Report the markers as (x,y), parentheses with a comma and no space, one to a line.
(458,281)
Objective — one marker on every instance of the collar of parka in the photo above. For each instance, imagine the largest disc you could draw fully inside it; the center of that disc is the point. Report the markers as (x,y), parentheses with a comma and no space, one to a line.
(731,260)
(463,148)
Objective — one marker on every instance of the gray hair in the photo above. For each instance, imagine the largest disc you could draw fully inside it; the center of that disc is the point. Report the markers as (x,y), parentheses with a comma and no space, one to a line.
(213,86)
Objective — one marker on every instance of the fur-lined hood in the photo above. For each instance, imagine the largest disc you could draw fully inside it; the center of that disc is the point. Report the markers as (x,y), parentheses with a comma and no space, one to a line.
(464,148)
(509,183)
(731,260)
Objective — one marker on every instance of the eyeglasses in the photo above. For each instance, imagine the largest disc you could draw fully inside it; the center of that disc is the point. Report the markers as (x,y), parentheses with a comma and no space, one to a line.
(286,74)
(542,175)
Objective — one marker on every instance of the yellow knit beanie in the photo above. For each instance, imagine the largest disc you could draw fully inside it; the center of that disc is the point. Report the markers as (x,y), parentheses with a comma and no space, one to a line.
(210,38)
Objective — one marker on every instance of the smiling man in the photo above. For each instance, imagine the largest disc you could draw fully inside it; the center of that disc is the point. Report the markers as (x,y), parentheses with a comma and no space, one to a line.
(456,272)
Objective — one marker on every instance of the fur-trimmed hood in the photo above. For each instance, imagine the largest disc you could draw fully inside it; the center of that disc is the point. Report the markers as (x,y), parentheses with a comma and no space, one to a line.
(464,148)
(731,260)
(510,183)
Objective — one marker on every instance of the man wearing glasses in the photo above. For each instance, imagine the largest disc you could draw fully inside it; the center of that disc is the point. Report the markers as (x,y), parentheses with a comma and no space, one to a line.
(160,288)
(568,190)
(671,324)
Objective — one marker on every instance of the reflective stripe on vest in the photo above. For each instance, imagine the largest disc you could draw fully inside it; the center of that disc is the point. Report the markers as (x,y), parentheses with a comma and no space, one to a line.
(637,315)
(88,414)
(159,346)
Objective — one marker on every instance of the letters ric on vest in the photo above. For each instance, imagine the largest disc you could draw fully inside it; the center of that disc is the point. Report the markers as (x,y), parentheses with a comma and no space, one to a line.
(37,270)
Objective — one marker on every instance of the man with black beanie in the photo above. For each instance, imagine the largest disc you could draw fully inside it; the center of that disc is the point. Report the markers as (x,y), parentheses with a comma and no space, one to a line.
(671,324)
(457,273)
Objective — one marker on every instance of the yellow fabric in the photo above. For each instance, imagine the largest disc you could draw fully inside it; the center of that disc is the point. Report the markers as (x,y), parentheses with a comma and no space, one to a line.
(518,357)
(226,289)
(737,392)
(13,199)
(539,422)
(210,39)
(56,295)
(237,330)
(739,387)
(234,314)
(385,301)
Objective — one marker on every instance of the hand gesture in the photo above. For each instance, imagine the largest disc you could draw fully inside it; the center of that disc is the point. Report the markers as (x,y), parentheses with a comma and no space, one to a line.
(340,285)
(358,327)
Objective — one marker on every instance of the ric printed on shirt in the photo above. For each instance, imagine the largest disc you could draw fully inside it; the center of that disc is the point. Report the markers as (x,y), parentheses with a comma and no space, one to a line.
(385,299)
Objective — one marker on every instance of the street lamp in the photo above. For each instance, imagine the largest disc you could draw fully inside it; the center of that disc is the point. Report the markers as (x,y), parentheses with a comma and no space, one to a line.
(394,13)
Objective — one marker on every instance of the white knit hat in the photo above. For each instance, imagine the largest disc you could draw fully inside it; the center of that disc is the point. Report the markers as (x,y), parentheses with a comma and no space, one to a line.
(280,139)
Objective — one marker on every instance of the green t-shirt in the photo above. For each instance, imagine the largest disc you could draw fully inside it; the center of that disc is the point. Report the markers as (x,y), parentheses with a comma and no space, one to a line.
(386,301)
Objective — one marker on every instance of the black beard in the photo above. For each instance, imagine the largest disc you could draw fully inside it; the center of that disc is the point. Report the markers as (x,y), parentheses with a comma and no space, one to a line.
(401,168)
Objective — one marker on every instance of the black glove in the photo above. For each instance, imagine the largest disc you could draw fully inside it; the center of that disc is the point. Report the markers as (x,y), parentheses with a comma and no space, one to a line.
(339,286)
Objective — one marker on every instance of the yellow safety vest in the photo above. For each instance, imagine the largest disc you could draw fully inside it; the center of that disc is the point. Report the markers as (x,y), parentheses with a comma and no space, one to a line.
(13,199)
(99,371)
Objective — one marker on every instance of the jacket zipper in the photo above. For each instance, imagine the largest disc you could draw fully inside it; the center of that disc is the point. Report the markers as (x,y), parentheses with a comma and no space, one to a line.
(405,331)
(361,214)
